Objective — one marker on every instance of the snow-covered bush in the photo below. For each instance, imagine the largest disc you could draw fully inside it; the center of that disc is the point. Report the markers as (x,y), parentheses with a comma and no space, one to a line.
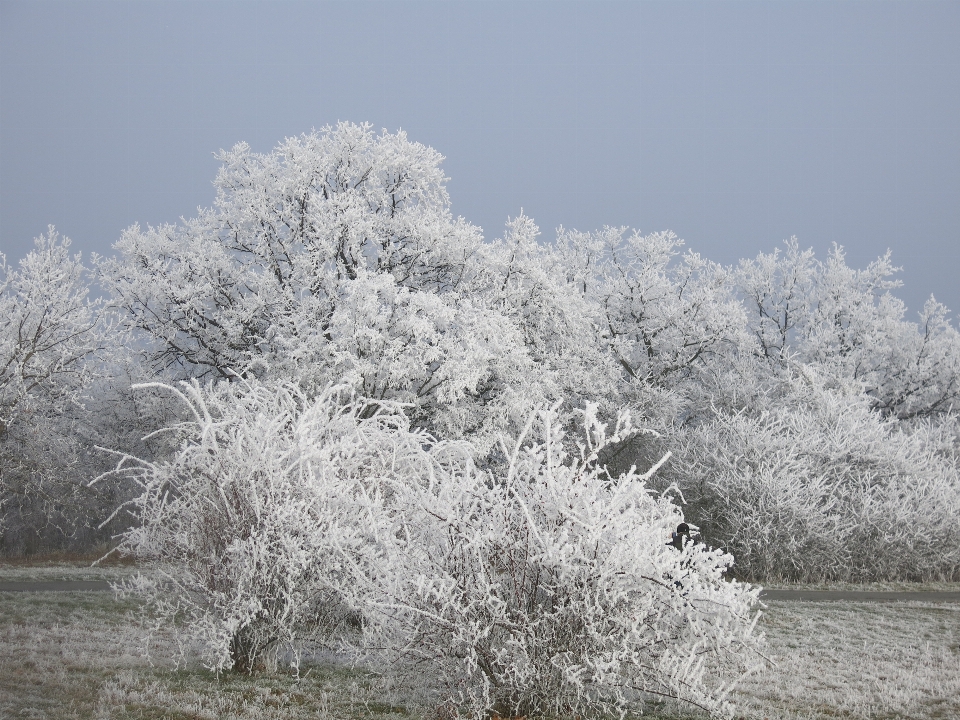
(817,485)
(552,590)
(263,513)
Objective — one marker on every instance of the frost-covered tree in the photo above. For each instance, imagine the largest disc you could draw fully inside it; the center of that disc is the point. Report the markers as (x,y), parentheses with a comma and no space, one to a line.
(54,341)
(778,292)
(533,284)
(665,319)
(49,329)
(334,257)
(847,323)
(668,322)
(256,279)
(918,375)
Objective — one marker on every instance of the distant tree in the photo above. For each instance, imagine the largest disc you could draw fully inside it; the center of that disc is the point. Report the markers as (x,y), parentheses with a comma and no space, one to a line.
(778,293)
(53,343)
(665,324)
(49,329)
(848,324)
(918,374)
(535,286)
(665,320)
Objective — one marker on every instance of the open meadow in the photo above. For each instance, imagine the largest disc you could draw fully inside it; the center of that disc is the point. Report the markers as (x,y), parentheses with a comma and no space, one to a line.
(73,655)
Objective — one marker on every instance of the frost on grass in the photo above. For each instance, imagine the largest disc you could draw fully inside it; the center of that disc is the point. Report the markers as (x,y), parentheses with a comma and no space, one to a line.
(858,660)
(67,572)
(66,656)
(56,649)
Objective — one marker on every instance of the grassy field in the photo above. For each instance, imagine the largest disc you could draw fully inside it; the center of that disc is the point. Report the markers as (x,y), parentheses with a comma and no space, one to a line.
(80,655)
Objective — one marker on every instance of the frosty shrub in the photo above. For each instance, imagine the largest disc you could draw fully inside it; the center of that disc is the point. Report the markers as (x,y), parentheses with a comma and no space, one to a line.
(823,487)
(551,590)
(256,520)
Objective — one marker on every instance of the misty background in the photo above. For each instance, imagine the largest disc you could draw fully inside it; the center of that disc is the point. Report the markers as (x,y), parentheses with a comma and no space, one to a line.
(734,124)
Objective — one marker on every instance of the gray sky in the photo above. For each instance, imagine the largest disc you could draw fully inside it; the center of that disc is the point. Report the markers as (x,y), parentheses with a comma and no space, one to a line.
(734,124)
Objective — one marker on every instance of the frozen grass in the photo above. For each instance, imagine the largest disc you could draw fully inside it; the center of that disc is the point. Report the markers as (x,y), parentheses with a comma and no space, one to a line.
(859,660)
(58,649)
(69,567)
(931,586)
(326,692)
(67,656)
(78,655)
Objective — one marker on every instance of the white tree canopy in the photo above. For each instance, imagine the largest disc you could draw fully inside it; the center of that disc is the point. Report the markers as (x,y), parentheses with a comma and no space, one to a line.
(847,323)
(49,329)
(334,257)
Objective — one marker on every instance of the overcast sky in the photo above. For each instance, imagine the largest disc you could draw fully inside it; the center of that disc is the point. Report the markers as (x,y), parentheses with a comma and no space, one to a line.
(734,124)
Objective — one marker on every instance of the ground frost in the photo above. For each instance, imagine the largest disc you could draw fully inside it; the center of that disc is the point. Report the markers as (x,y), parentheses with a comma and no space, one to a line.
(76,656)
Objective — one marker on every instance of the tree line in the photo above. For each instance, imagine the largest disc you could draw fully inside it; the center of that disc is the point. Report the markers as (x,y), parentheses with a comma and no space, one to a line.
(328,343)
(798,399)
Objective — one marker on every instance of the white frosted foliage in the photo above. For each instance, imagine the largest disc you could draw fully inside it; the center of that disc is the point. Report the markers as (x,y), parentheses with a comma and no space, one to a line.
(552,590)
(549,588)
